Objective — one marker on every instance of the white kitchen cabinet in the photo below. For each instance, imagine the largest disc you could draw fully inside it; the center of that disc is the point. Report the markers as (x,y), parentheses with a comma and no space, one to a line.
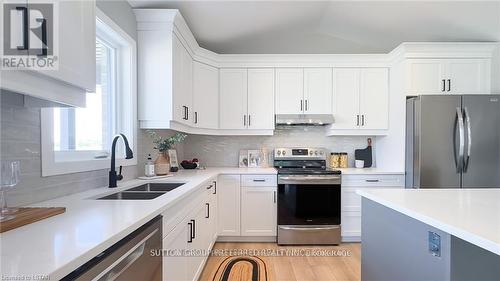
(304,91)
(351,201)
(247,99)
(289,90)
(318,90)
(76,43)
(74,46)
(258,210)
(182,83)
(448,76)
(205,96)
(361,99)
(261,99)
(233,98)
(346,98)
(374,99)
(198,241)
(228,205)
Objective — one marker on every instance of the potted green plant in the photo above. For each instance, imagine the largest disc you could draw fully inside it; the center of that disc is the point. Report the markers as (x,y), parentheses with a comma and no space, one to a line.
(163,144)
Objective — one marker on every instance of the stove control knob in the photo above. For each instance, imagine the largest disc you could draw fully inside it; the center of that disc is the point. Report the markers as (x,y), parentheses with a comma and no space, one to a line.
(321,153)
(316,153)
(284,152)
(278,152)
(311,152)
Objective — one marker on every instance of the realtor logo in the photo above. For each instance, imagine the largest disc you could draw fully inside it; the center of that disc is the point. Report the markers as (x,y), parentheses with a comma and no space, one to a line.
(28,36)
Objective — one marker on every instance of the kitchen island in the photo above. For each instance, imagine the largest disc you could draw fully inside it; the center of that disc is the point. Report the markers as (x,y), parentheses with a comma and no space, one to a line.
(431,234)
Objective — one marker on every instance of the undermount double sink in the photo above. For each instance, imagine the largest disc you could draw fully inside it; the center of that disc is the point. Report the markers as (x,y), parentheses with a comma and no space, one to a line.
(142,192)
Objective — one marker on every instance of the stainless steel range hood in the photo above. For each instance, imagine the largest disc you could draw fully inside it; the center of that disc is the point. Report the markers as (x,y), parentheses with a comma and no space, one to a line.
(303,119)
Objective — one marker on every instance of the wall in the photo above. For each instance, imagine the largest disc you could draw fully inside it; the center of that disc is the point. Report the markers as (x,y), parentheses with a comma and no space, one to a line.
(224,150)
(20,137)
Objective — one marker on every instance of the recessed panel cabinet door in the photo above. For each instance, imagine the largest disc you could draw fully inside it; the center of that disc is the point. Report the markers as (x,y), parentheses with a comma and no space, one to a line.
(425,76)
(205,96)
(289,91)
(468,76)
(261,99)
(258,211)
(233,98)
(346,98)
(228,205)
(182,86)
(318,90)
(374,98)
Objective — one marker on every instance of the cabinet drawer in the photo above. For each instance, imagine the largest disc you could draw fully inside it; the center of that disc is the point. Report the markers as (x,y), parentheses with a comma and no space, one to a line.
(258,180)
(373,180)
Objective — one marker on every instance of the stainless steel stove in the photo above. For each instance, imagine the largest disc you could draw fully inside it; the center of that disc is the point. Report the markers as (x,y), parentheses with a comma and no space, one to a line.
(308,197)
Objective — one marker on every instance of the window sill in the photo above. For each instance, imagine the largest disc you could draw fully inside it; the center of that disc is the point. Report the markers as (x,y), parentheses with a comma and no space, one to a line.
(70,167)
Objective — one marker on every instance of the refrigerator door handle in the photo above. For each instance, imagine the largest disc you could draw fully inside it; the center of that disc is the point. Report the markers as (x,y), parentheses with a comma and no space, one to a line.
(461,136)
(469,139)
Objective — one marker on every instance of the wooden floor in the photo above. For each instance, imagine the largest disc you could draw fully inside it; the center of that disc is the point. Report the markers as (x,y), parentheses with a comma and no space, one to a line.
(293,268)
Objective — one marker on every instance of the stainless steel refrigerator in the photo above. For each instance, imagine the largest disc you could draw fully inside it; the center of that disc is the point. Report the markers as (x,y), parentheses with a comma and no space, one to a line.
(453,141)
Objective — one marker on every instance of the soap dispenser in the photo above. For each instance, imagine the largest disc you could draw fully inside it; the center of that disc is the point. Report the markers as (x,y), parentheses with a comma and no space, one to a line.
(149,168)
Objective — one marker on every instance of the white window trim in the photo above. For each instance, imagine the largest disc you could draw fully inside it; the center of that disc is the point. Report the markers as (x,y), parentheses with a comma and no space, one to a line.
(126,110)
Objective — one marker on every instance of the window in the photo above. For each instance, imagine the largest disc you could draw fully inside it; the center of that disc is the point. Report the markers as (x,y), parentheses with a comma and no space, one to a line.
(79,139)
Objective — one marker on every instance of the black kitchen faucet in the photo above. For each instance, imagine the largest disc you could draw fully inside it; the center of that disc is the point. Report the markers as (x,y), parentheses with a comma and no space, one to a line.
(113,177)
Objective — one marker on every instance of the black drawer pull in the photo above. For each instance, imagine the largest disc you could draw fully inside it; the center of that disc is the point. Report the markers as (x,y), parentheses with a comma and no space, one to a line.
(372,180)
(208,210)
(259,180)
(193,236)
(190,232)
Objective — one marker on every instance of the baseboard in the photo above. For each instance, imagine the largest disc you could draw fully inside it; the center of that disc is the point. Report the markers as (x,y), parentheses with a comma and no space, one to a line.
(246,239)
(351,238)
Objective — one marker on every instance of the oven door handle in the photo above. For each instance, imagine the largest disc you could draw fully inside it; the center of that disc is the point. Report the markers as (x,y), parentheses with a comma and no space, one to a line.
(310,178)
(308,228)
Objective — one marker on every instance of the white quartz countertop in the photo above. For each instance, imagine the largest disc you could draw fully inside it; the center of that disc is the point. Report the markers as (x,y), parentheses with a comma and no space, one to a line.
(472,215)
(56,246)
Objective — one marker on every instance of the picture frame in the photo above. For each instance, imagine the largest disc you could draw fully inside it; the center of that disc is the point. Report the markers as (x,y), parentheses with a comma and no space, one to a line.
(174,163)
(243,159)
(254,158)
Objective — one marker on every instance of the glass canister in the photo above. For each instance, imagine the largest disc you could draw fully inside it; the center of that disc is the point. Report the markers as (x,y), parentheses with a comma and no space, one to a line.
(334,160)
(344,160)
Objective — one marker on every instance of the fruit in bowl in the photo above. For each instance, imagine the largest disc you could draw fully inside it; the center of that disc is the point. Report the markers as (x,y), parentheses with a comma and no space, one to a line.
(190,164)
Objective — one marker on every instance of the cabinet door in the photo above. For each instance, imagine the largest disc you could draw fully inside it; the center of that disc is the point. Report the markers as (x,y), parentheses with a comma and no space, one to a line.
(74,23)
(205,96)
(346,98)
(199,241)
(261,99)
(175,266)
(374,98)
(228,205)
(182,86)
(289,91)
(468,76)
(233,99)
(318,90)
(258,211)
(425,76)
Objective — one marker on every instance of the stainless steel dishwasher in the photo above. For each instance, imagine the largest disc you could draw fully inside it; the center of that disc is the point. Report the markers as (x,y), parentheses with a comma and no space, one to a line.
(130,259)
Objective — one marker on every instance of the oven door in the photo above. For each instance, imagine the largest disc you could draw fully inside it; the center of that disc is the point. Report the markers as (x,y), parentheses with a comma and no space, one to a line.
(311,200)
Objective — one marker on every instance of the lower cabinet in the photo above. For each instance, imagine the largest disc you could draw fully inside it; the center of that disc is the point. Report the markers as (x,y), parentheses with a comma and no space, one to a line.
(351,201)
(247,205)
(228,202)
(187,245)
(258,210)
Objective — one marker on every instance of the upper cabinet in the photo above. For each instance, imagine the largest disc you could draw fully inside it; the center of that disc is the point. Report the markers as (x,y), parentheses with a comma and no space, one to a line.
(448,76)
(67,38)
(247,99)
(182,83)
(361,99)
(205,96)
(304,91)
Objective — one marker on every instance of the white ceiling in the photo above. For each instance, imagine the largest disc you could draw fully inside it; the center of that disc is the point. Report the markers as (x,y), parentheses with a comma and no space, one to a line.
(286,27)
